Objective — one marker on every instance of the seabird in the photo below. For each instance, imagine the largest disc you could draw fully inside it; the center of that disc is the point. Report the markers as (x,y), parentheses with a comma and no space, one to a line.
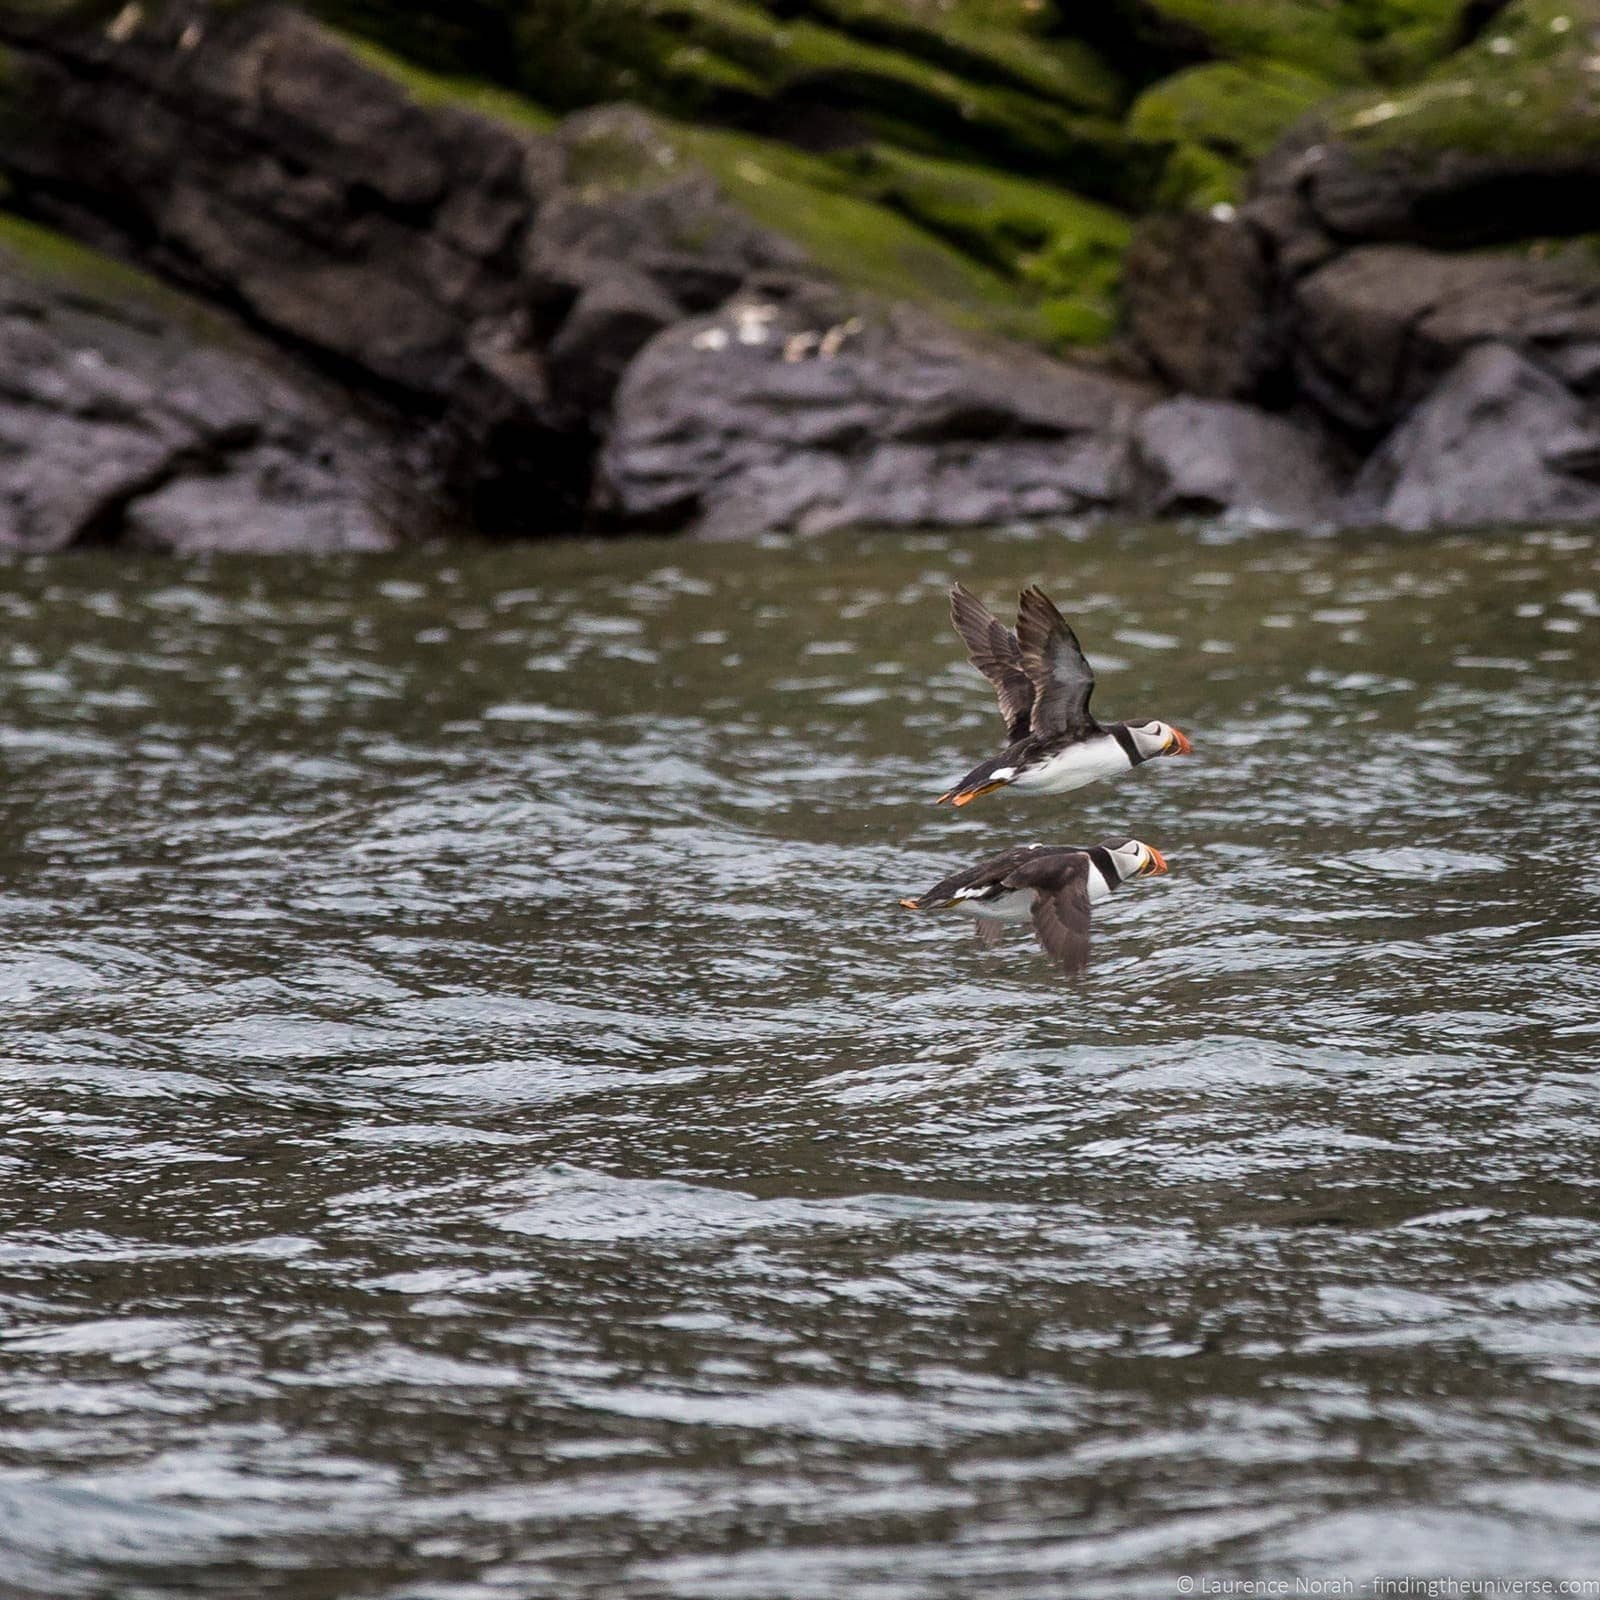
(1054,885)
(1043,681)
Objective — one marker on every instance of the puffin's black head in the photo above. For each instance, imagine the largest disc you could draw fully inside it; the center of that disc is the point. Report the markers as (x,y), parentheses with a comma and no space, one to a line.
(1135,860)
(1159,739)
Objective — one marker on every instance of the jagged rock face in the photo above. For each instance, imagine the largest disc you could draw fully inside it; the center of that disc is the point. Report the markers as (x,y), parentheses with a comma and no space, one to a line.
(778,416)
(122,422)
(247,154)
(1498,440)
(617,255)
(435,260)
(1199,304)
(1367,278)
(577,327)
(1379,327)
(1208,457)
(534,299)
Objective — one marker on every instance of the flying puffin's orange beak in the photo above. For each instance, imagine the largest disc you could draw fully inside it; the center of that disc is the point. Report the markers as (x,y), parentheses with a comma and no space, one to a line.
(1177,745)
(1158,863)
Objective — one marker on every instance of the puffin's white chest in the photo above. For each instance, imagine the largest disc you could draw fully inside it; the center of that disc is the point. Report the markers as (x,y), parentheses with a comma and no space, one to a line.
(1017,904)
(1075,766)
(1012,907)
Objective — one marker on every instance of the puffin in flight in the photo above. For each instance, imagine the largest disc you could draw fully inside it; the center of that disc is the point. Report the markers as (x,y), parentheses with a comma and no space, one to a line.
(1043,682)
(1055,885)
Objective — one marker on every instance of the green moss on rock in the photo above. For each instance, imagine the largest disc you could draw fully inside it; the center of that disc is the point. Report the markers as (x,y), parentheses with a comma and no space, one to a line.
(45,256)
(979,250)
(1057,242)
(1195,179)
(1212,121)
(1075,322)
(428,88)
(951,90)
(866,243)
(981,156)
(1341,41)
(1529,87)
(1238,109)
(999,41)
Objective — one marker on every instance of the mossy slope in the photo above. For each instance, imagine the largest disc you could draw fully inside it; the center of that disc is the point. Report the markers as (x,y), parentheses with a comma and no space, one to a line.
(1529,86)
(985,156)
(987,123)
(980,249)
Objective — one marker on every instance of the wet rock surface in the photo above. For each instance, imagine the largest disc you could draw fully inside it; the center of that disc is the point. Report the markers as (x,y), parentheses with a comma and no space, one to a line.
(796,416)
(1195,457)
(568,315)
(1498,440)
(125,421)
(252,158)
(556,327)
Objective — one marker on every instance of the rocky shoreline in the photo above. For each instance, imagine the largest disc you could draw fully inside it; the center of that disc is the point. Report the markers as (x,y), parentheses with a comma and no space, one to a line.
(366,310)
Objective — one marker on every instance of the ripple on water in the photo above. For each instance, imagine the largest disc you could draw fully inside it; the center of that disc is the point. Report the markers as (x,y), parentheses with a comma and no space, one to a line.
(479,1123)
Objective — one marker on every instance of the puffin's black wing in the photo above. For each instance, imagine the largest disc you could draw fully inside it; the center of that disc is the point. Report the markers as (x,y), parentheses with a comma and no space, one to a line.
(1060,885)
(987,873)
(1061,675)
(993,649)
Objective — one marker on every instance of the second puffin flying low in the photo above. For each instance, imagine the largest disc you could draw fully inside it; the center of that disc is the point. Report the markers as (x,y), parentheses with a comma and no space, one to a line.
(1053,886)
(1043,681)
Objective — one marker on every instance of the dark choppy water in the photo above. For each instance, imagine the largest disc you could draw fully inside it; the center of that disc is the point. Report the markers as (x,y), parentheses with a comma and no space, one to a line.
(565,1172)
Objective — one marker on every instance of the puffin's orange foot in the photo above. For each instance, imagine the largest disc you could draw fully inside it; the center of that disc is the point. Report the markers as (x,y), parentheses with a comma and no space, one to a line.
(967,796)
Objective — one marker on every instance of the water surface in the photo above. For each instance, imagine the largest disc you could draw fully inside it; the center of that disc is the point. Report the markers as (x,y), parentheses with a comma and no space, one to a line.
(477,1123)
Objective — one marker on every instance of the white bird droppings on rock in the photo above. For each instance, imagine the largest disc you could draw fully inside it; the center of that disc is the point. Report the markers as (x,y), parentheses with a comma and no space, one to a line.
(125,24)
(835,337)
(711,339)
(1373,115)
(751,322)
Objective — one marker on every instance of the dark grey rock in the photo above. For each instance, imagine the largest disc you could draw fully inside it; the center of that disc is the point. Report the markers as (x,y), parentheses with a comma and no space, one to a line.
(1500,440)
(771,416)
(248,154)
(629,199)
(613,318)
(1199,298)
(1378,327)
(1214,457)
(126,416)
(1450,198)
(486,283)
